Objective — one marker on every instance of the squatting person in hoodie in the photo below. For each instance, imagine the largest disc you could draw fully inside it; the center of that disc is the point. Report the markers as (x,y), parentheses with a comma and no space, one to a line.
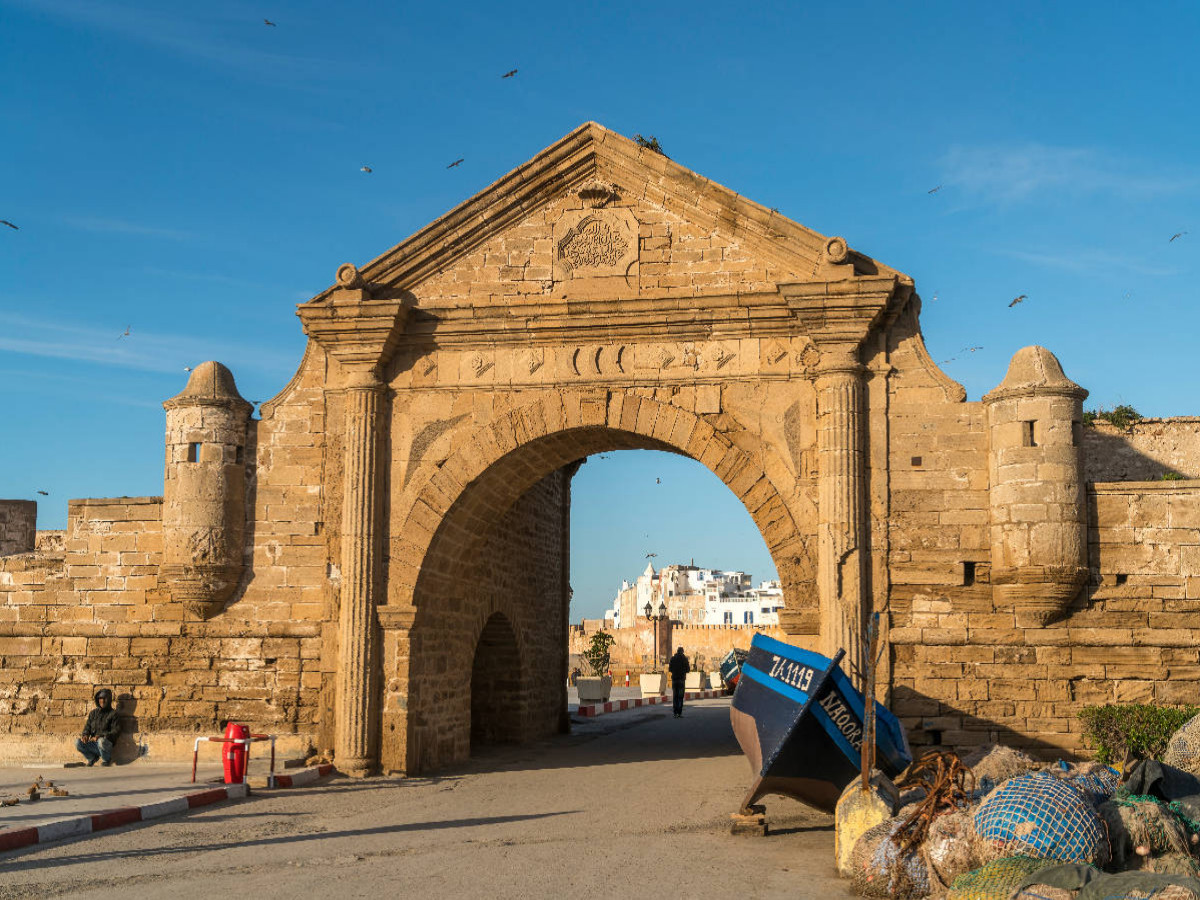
(100,731)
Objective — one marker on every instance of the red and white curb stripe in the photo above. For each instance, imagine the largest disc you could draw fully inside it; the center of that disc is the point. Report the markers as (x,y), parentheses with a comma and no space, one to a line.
(599,709)
(14,838)
(307,776)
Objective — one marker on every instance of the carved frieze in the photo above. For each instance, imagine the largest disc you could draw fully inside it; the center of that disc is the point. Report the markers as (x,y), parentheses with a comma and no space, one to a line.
(595,243)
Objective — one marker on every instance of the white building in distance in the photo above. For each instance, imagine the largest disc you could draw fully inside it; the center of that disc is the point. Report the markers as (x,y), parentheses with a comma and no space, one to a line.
(692,595)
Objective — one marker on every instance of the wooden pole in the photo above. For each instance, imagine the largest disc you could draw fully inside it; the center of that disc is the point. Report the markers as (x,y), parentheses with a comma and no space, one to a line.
(868,738)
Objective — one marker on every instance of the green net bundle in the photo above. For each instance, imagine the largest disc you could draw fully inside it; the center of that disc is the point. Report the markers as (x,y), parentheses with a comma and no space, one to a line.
(996,880)
(1144,826)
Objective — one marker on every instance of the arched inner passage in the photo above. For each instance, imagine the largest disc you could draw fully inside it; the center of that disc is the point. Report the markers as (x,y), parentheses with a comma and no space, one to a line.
(497,695)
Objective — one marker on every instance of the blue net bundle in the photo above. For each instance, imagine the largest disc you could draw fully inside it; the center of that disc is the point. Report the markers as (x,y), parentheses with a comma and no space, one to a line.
(1096,782)
(1040,816)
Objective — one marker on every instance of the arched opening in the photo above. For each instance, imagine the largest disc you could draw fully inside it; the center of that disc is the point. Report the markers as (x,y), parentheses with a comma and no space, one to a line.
(497,695)
(487,532)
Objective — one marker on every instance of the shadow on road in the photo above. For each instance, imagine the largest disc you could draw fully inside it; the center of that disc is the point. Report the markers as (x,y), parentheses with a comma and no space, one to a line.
(13,864)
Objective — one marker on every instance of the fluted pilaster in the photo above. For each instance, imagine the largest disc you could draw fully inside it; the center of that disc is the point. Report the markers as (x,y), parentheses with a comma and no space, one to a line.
(360,560)
(841,506)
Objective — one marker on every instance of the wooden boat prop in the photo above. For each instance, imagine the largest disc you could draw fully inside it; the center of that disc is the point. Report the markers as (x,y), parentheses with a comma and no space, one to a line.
(799,721)
(731,666)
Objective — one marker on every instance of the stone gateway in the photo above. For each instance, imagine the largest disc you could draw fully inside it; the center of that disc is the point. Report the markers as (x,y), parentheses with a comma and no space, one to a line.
(377,567)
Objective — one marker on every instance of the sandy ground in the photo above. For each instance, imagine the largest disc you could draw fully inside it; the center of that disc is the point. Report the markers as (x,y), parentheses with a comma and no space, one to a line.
(634,804)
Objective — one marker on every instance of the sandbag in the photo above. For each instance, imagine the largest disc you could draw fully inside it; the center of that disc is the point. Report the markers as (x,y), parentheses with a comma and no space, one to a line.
(880,869)
(994,764)
(950,845)
(1061,882)
(1141,886)
(1040,816)
(1183,749)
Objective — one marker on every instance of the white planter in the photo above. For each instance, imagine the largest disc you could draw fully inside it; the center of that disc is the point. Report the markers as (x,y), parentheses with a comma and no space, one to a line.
(694,682)
(715,681)
(594,690)
(654,685)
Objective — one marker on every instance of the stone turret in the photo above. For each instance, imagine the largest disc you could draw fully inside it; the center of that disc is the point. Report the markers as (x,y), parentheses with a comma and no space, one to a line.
(204,491)
(1038,521)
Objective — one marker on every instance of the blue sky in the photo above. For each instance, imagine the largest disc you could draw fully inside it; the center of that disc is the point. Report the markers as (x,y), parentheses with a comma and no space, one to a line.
(190,173)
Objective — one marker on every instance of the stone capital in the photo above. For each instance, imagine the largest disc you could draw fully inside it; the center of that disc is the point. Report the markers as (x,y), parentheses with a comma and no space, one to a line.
(353,328)
(844,311)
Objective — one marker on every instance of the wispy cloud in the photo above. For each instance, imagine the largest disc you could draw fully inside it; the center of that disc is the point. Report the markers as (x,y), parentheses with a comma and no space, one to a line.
(1090,262)
(1013,173)
(142,350)
(177,31)
(101,225)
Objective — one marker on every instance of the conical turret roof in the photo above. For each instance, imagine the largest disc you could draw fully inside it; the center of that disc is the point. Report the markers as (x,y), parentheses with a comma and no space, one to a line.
(211,384)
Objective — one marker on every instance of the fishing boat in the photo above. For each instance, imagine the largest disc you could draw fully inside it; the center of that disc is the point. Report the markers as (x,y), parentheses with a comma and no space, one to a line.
(731,666)
(800,723)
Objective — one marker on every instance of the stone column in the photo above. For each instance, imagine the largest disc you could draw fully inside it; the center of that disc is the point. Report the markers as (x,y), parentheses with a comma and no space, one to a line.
(842,508)
(355,753)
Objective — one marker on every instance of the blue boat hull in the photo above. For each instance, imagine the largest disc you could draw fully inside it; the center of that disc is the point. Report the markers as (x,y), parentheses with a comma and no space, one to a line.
(799,721)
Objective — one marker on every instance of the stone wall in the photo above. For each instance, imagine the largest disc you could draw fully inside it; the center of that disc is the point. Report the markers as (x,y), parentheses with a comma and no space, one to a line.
(18,526)
(1145,451)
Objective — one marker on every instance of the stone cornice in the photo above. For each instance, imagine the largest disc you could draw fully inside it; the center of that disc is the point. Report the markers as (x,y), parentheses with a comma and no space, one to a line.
(357,331)
(843,312)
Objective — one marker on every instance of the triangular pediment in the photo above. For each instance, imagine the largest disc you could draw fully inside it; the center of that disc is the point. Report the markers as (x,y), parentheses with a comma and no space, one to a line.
(574,228)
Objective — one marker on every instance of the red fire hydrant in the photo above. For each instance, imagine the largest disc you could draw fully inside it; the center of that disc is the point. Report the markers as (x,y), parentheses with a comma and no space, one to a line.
(234,755)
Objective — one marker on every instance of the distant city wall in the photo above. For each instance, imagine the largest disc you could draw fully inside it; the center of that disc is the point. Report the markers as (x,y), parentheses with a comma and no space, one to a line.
(705,645)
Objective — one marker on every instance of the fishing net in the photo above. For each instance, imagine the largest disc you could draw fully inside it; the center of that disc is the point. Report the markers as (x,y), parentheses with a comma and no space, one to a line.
(1183,750)
(1039,891)
(1041,816)
(993,765)
(996,880)
(1141,826)
(1095,781)
(950,845)
(881,869)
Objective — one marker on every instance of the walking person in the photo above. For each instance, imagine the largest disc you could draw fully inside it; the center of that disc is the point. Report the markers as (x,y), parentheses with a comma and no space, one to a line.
(679,668)
(100,731)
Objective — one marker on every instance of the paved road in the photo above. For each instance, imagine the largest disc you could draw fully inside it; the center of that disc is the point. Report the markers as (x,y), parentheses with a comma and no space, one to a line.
(633,804)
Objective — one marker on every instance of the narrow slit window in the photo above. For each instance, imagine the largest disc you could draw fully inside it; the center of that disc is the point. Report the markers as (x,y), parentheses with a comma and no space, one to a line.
(968,574)
(239,455)
(1027,434)
(194,452)
(916,461)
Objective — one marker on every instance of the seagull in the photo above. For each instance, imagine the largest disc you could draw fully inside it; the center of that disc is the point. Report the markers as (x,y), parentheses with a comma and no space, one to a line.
(969,349)
(366,169)
(649,555)
(1018,300)
(509,74)
(44,493)
(124,333)
(457,162)
(1173,237)
(268,22)
(658,481)
(935,190)
(187,368)
(15,228)
(934,298)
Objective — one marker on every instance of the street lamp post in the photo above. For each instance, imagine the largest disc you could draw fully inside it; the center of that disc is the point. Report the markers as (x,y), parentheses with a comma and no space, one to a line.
(648,609)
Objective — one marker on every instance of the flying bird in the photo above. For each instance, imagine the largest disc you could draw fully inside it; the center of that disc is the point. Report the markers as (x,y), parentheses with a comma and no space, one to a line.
(969,349)
(366,169)
(1173,237)
(187,368)
(1018,300)
(124,333)
(268,22)
(649,555)
(44,493)
(15,228)
(509,74)
(934,190)
(658,481)
(457,162)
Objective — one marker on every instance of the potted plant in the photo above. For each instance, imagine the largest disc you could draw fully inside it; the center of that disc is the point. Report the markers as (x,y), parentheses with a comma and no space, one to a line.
(598,657)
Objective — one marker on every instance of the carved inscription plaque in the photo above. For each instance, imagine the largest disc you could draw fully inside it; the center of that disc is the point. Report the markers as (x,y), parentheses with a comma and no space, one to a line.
(595,243)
